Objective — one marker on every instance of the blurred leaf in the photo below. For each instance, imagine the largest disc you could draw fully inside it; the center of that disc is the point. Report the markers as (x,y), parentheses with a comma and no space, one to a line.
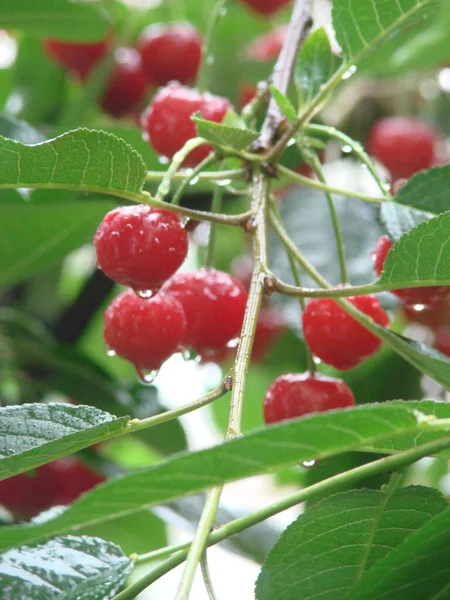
(61,19)
(81,159)
(66,568)
(223,135)
(399,219)
(263,451)
(40,236)
(427,191)
(133,137)
(19,130)
(316,63)
(418,568)
(326,551)
(283,102)
(32,432)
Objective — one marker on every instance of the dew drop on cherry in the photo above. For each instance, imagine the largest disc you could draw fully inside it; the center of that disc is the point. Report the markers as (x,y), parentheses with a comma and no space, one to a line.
(146,377)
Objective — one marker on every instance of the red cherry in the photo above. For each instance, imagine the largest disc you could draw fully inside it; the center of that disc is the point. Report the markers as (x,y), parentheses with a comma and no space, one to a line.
(140,247)
(214,303)
(404,146)
(170,52)
(410,296)
(127,84)
(335,337)
(297,394)
(247,91)
(266,48)
(168,123)
(266,7)
(75,479)
(242,269)
(78,57)
(30,493)
(442,339)
(433,315)
(145,332)
(270,326)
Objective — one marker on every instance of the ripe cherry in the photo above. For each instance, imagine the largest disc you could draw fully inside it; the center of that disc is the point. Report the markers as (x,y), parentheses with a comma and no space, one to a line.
(442,339)
(168,123)
(140,247)
(410,296)
(170,52)
(296,394)
(75,478)
(404,146)
(266,48)
(335,337)
(127,85)
(214,303)
(266,7)
(78,57)
(145,332)
(247,91)
(271,325)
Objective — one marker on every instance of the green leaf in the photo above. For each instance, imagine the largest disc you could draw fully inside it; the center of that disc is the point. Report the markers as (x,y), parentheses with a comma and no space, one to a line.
(326,551)
(81,159)
(263,451)
(32,433)
(418,568)
(362,26)
(66,568)
(283,102)
(60,19)
(39,236)
(399,219)
(427,191)
(223,135)
(316,63)
(422,255)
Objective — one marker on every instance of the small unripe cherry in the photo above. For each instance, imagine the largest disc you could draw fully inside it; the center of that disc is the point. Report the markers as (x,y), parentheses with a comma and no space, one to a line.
(140,247)
(145,332)
(296,394)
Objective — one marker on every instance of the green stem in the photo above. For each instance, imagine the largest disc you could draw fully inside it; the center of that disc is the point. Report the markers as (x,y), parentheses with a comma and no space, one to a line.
(204,76)
(312,183)
(181,175)
(177,160)
(207,577)
(335,221)
(192,175)
(327,486)
(356,147)
(216,207)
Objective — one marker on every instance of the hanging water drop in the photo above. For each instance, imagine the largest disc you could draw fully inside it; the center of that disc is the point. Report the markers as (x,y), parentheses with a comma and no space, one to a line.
(110,352)
(309,464)
(144,294)
(146,377)
(347,149)
(194,180)
(234,343)
(349,72)
(164,160)
(187,354)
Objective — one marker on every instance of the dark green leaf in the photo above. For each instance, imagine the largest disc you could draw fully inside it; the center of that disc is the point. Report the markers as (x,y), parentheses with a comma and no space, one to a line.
(39,236)
(31,433)
(66,568)
(400,219)
(326,551)
(60,19)
(81,159)
(263,451)
(284,103)
(427,191)
(316,63)
(418,568)
(223,135)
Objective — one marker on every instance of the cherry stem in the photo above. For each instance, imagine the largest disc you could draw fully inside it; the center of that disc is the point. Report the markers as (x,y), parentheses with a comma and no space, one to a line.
(207,577)
(315,163)
(394,462)
(182,174)
(204,75)
(216,207)
(176,199)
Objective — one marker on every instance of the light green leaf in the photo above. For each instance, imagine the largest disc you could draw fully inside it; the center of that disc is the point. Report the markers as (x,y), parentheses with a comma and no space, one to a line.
(427,191)
(66,568)
(361,26)
(78,21)
(399,219)
(79,160)
(316,63)
(223,135)
(418,568)
(283,102)
(263,451)
(31,434)
(327,550)
(39,236)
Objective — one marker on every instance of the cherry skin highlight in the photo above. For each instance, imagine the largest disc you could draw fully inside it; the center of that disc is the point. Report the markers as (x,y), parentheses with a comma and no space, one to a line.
(145,332)
(410,296)
(167,121)
(335,337)
(296,394)
(214,303)
(140,247)
(170,52)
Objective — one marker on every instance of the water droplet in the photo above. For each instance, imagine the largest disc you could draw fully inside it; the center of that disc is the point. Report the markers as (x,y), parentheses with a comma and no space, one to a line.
(147,377)
(111,352)
(222,11)
(194,180)
(309,464)
(234,343)
(164,160)
(144,294)
(187,354)
(349,72)
(210,60)
(347,149)
(419,307)
(291,142)
(223,182)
